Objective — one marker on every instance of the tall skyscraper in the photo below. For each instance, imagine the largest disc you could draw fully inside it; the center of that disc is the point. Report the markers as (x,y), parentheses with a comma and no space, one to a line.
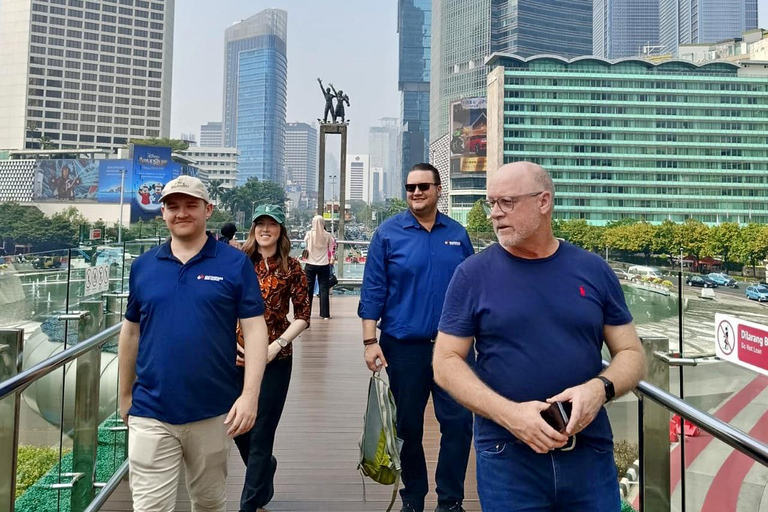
(623,28)
(704,21)
(301,157)
(464,34)
(382,148)
(86,75)
(210,135)
(358,179)
(255,94)
(414,26)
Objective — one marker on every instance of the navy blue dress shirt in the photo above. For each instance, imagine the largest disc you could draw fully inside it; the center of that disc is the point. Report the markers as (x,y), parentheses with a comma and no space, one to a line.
(187,315)
(407,274)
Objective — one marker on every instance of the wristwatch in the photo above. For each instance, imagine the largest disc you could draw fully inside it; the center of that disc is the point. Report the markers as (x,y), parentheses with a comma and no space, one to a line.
(282,342)
(610,392)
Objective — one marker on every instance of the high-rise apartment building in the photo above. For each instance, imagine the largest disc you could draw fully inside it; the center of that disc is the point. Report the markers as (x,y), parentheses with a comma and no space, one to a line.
(84,74)
(464,35)
(414,28)
(210,135)
(703,21)
(382,148)
(625,28)
(632,139)
(301,157)
(255,94)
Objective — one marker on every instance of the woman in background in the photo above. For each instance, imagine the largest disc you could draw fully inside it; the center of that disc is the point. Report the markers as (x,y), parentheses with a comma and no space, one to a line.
(282,281)
(318,265)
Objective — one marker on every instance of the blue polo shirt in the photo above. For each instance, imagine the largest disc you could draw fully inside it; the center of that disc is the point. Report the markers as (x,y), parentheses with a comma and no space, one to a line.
(538,326)
(187,316)
(407,273)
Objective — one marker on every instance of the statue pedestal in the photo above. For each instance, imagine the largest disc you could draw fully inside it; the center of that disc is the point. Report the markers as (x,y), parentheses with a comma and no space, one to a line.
(327,129)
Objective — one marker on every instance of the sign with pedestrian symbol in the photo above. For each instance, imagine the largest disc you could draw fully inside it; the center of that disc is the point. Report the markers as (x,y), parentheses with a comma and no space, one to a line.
(741,342)
(96,279)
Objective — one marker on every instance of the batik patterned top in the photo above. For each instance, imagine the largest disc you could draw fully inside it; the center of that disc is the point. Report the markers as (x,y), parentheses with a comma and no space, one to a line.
(279,289)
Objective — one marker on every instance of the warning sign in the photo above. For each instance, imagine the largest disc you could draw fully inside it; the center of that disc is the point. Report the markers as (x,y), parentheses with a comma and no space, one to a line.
(96,279)
(741,342)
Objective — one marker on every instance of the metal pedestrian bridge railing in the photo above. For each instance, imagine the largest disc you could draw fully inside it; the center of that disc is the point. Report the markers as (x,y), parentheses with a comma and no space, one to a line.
(692,437)
(91,457)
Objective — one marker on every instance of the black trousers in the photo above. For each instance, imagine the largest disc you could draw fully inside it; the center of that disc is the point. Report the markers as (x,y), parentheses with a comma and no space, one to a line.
(323,273)
(412,382)
(256,446)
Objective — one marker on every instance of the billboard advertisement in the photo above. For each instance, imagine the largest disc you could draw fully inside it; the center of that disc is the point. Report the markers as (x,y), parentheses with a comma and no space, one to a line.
(152,169)
(66,180)
(469,131)
(110,179)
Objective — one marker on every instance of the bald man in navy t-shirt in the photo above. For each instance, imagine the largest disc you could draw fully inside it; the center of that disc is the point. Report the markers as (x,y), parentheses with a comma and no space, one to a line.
(539,310)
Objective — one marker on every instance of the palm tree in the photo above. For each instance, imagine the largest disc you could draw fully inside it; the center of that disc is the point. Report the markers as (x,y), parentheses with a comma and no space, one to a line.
(215,189)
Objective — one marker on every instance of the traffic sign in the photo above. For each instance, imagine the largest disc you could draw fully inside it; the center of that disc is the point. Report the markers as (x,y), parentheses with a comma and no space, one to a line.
(741,342)
(95,234)
(96,279)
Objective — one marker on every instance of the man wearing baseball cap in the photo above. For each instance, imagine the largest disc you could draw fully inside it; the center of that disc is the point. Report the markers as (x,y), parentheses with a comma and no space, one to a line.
(181,394)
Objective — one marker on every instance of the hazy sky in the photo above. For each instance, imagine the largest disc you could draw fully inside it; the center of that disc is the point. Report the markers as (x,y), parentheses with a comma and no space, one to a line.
(352,43)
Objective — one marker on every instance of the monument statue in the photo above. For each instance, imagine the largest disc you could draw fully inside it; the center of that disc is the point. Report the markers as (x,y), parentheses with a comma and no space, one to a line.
(340,99)
(328,102)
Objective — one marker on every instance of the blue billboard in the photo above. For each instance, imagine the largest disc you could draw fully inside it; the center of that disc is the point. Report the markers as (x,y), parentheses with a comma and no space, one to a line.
(110,179)
(152,169)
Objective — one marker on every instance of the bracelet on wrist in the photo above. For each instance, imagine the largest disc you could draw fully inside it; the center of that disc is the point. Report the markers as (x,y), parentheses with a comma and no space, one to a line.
(370,341)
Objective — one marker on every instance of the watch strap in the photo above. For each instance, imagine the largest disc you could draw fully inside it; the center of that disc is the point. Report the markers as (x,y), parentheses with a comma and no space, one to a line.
(610,392)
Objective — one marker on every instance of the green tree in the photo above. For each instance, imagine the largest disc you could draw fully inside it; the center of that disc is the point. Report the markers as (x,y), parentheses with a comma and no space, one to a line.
(253,193)
(579,232)
(693,237)
(640,238)
(723,238)
(665,239)
(395,206)
(176,145)
(215,189)
(477,220)
(752,246)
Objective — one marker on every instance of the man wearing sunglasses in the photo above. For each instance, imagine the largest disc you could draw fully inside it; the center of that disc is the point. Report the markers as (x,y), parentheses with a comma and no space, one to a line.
(411,260)
(538,310)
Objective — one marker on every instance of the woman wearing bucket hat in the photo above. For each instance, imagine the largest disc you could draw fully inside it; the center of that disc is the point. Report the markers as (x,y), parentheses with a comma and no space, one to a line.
(318,265)
(282,281)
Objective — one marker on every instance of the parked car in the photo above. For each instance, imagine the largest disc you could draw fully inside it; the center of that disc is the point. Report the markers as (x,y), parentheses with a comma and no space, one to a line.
(621,274)
(700,281)
(723,279)
(644,271)
(757,292)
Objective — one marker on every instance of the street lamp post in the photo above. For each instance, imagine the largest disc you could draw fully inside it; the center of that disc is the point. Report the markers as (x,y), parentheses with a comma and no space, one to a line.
(122,195)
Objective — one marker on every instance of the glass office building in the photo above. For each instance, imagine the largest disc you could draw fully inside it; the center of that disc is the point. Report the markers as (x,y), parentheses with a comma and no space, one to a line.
(255,94)
(704,21)
(414,28)
(625,28)
(464,34)
(635,139)
(261,110)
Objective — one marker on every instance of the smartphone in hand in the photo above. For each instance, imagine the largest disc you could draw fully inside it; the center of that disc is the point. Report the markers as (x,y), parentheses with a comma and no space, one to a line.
(557,415)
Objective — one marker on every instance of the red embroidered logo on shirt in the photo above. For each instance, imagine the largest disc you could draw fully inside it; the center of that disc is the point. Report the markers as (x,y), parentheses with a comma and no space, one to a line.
(582,292)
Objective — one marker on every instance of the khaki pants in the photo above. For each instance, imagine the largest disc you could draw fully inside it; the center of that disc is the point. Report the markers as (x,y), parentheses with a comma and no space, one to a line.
(156,451)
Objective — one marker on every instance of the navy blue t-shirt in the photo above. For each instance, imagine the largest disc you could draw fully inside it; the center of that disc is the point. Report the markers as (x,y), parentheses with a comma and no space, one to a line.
(187,316)
(538,326)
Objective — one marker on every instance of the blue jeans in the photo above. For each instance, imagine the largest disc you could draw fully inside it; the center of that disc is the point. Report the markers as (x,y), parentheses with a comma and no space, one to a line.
(412,381)
(511,477)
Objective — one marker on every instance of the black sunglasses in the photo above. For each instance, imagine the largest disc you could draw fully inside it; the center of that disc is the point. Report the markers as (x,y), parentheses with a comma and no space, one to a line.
(411,187)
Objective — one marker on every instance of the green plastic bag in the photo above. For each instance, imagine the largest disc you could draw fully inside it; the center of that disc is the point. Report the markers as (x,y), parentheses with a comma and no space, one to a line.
(379,445)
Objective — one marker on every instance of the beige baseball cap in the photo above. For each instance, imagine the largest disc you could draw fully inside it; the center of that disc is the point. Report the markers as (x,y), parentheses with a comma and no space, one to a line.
(186,185)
